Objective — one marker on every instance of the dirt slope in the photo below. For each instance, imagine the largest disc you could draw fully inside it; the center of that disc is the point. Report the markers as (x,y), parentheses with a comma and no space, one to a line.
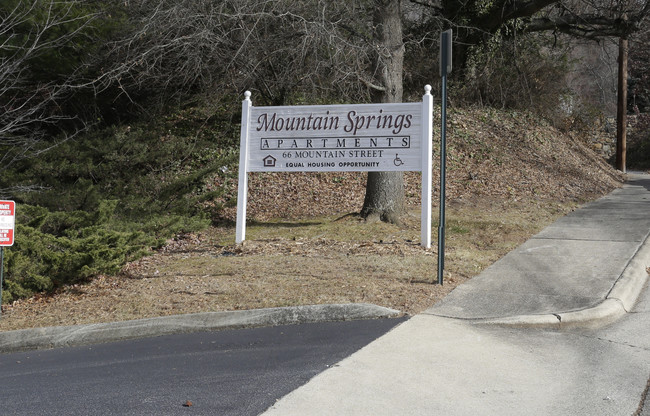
(503,155)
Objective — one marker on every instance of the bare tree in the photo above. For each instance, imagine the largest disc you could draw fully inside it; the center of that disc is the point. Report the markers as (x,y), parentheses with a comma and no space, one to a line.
(280,49)
(592,19)
(385,190)
(640,71)
(289,51)
(283,50)
(30,118)
(476,22)
(597,19)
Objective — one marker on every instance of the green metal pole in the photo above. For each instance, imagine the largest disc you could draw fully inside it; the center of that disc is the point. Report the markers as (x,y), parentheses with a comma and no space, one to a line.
(445,68)
(443,163)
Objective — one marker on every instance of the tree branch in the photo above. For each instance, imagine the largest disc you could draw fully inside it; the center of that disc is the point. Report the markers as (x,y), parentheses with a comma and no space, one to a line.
(589,26)
(372,86)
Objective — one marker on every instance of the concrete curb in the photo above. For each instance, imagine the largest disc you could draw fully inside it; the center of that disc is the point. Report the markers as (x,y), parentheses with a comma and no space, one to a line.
(618,302)
(66,336)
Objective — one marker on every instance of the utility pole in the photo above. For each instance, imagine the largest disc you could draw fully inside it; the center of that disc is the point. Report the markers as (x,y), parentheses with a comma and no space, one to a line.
(621,112)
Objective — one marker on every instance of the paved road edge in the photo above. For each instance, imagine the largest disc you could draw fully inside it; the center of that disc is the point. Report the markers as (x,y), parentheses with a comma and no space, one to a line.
(66,336)
(618,302)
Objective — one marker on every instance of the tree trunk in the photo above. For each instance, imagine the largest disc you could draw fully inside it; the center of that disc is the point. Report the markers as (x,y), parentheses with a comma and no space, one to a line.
(385,190)
(621,113)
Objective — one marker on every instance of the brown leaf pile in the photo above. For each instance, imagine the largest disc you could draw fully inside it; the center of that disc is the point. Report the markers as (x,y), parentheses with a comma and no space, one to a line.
(500,155)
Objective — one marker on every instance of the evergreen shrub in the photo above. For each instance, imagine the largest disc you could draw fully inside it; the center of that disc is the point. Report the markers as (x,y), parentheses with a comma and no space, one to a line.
(113,195)
(57,248)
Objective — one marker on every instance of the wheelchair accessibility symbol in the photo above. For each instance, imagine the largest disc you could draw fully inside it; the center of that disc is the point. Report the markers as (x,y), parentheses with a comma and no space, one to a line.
(398,161)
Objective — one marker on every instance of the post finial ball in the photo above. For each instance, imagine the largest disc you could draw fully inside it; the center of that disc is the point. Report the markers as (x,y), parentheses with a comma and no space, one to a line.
(247,95)
(427,89)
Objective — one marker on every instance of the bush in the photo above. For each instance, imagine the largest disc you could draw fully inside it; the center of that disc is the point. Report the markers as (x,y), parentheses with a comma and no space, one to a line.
(57,248)
(166,168)
(638,146)
(114,194)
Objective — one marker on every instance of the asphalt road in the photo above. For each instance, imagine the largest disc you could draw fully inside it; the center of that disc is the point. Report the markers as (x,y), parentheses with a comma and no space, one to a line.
(237,372)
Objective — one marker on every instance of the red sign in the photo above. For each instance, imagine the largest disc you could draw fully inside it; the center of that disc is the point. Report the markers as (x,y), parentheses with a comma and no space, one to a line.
(7,223)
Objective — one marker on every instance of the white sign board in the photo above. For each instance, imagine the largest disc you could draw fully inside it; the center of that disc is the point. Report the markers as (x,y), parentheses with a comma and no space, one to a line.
(7,223)
(371,137)
(337,138)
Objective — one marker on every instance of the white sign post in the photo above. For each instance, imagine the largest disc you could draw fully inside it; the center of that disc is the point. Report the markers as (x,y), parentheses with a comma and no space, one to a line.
(337,138)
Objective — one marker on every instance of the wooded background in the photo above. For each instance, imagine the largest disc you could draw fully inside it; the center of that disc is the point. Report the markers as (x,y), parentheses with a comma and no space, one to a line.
(93,93)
